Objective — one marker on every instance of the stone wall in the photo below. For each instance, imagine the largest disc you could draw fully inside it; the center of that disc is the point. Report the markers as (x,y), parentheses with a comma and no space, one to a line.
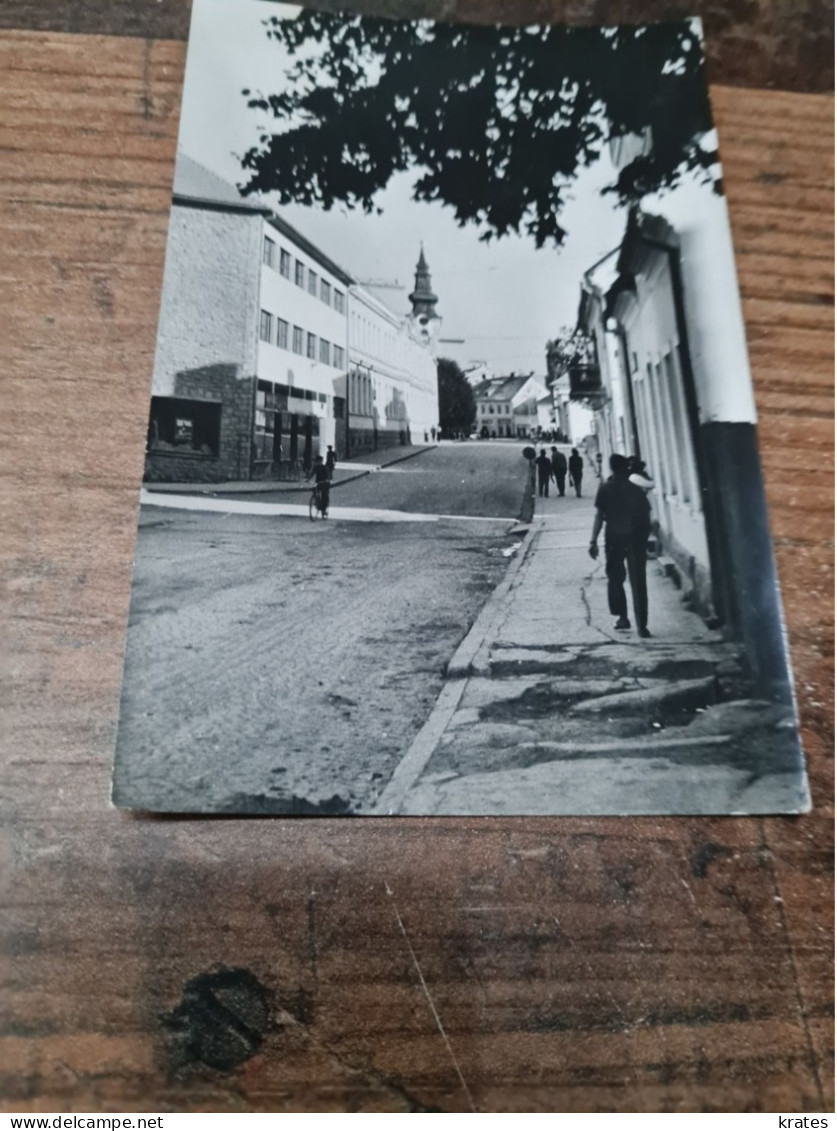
(219,383)
(209,312)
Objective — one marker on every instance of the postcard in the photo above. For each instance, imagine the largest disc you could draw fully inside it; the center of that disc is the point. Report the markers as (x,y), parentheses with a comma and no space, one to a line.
(452,500)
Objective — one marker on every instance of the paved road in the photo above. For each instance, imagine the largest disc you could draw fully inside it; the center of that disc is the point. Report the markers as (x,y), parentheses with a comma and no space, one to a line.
(274,664)
(472,477)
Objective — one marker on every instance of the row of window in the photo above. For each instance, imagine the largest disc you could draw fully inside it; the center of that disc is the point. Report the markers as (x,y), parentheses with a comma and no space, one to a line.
(489,409)
(302,275)
(299,341)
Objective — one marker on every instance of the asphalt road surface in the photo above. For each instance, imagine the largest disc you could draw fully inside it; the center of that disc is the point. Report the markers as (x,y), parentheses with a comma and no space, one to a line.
(279,665)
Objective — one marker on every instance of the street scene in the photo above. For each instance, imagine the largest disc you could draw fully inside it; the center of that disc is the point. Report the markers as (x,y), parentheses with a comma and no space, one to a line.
(452,501)
(294,662)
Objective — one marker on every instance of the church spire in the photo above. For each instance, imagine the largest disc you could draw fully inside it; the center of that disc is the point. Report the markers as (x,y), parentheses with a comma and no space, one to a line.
(423,300)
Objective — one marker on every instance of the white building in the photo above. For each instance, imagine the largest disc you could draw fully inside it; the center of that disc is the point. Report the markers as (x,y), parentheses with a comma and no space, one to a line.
(392,386)
(251,376)
(573,417)
(674,387)
(302,352)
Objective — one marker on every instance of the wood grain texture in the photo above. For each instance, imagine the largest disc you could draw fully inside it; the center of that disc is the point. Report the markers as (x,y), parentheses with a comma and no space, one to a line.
(569,965)
(785,44)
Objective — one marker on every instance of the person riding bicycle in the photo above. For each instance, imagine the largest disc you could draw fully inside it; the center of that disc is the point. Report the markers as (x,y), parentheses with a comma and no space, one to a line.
(321,481)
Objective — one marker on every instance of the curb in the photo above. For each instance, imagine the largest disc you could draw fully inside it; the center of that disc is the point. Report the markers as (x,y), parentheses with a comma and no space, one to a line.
(466,660)
(411,766)
(462,665)
(263,487)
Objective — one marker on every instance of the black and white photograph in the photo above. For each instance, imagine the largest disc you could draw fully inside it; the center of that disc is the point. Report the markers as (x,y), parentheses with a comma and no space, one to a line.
(452,501)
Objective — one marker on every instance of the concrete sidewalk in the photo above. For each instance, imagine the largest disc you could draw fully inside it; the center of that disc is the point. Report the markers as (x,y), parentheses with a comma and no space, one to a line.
(549,710)
(346,471)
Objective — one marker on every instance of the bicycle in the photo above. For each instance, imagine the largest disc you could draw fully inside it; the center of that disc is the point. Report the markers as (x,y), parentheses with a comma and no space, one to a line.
(317,504)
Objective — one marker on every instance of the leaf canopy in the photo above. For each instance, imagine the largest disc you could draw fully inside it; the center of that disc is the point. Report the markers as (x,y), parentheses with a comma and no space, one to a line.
(495,122)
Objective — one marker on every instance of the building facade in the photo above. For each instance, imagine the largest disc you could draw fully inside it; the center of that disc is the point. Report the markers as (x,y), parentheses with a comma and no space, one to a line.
(507,406)
(392,386)
(674,387)
(268,351)
(302,352)
(203,387)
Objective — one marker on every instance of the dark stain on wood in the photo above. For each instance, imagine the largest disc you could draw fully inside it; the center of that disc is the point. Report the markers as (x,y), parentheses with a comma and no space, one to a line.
(220,1021)
(704,854)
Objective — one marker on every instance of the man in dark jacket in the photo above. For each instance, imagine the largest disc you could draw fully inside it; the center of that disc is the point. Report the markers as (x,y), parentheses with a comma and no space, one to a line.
(623,509)
(576,470)
(559,469)
(544,473)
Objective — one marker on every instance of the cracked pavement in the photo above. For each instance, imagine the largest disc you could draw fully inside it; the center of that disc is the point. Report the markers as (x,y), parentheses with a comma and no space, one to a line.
(559,713)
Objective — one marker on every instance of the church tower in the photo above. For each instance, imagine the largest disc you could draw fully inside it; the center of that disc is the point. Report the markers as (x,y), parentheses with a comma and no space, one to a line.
(425,323)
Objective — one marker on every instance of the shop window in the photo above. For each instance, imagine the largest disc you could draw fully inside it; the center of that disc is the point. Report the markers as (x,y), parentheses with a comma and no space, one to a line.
(184,426)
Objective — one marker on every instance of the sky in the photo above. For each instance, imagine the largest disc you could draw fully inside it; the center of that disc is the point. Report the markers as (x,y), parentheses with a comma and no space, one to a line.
(504,298)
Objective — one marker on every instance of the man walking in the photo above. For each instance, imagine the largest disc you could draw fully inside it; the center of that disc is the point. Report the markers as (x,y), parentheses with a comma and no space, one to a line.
(544,473)
(623,509)
(559,470)
(576,471)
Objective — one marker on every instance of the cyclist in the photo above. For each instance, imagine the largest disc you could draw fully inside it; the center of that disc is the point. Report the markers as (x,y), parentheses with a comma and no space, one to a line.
(322,485)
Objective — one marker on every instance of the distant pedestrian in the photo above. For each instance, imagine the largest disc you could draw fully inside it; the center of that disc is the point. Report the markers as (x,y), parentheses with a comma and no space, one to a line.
(321,477)
(623,509)
(330,461)
(559,470)
(544,468)
(576,466)
(433,435)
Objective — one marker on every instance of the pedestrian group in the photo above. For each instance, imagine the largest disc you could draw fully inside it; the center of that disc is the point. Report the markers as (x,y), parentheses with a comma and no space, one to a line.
(555,467)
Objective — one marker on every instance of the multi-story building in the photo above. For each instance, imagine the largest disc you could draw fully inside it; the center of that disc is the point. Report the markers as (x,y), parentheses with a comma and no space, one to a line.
(498,400)
(392,382)
(302,351)
(251,375)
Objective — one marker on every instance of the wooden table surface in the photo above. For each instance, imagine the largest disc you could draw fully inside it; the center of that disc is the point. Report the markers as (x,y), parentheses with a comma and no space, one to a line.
(259,964)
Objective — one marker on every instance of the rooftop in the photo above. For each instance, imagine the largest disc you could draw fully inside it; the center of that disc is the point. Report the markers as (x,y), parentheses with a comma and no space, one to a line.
(194,182)
(500,388)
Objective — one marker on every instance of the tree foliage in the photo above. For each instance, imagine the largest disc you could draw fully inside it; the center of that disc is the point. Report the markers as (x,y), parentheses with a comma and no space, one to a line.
(495,121)
(457,404)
